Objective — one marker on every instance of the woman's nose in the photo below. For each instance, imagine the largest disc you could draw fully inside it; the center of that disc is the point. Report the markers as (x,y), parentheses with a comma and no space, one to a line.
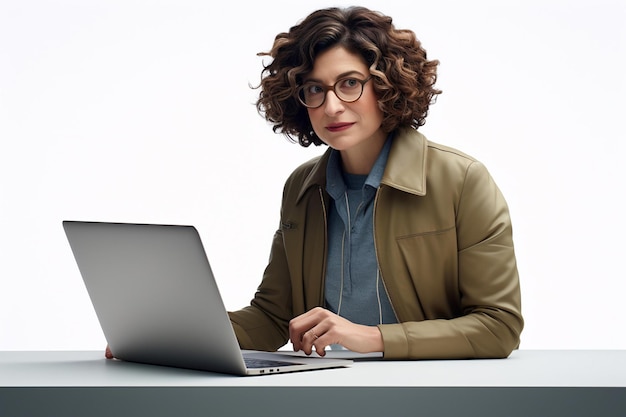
(332,104)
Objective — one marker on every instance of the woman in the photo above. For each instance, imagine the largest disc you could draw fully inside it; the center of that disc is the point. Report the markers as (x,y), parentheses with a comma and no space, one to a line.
(387,242)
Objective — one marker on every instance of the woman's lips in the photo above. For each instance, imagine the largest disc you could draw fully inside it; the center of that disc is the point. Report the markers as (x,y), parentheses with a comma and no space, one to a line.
(337,127)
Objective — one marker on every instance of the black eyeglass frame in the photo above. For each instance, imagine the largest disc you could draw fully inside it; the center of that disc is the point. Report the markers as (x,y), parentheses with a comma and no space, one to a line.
(332,88)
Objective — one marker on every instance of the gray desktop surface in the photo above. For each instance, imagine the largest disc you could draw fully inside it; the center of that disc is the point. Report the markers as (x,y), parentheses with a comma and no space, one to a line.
(529,382)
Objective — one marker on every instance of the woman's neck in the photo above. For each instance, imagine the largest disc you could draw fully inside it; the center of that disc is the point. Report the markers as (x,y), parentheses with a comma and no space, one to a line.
(360,159)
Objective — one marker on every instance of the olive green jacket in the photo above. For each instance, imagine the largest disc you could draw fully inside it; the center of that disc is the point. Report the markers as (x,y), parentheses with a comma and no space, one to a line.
(444,244)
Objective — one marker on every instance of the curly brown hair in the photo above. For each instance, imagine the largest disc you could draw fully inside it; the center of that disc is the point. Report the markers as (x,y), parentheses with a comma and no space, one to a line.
(403,78)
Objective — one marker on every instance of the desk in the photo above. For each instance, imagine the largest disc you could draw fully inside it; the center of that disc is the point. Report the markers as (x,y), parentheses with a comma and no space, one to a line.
(528,383)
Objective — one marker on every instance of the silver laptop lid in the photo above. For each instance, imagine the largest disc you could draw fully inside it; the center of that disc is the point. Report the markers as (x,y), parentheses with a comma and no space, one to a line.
(155,295)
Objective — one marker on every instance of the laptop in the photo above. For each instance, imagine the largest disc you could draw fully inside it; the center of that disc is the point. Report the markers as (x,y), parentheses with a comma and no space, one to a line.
(157,301)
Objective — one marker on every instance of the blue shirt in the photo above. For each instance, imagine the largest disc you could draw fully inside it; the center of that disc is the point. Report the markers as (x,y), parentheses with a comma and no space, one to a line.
(353,286)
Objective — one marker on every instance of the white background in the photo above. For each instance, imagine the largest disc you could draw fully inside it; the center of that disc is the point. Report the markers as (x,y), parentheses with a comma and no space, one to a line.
(142,111)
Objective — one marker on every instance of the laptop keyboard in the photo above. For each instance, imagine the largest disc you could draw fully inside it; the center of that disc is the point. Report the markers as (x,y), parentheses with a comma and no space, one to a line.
(264,363)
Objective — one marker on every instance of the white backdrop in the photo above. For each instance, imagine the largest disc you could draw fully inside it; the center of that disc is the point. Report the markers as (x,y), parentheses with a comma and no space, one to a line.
(141,111)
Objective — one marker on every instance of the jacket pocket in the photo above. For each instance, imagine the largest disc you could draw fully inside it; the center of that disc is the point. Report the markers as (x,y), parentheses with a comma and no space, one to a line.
(431,261)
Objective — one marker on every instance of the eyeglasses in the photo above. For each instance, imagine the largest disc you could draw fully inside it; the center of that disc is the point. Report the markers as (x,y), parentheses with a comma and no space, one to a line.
(348,90)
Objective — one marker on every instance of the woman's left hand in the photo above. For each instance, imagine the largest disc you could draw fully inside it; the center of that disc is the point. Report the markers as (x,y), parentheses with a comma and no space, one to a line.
(318,328)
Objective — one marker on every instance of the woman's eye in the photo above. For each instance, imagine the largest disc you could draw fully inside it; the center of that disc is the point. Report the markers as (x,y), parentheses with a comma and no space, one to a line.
(314,89)
(349,83)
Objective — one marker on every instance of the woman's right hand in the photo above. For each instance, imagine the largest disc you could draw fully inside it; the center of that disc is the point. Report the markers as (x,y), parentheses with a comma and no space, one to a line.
(108,354)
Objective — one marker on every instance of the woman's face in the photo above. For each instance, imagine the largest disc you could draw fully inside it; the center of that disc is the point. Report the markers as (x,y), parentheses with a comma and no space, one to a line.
(345,126)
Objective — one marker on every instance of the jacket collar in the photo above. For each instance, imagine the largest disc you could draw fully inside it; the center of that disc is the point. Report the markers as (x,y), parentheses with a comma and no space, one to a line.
(406,166)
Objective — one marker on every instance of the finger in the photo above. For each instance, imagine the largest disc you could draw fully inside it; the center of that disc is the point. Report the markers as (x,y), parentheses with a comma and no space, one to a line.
(321,338)
(308,340)
(317,338)
(299,325)
(318,344)
(296,337)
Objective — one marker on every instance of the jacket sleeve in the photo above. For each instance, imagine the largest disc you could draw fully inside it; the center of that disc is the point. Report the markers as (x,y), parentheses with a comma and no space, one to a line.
(490,319)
